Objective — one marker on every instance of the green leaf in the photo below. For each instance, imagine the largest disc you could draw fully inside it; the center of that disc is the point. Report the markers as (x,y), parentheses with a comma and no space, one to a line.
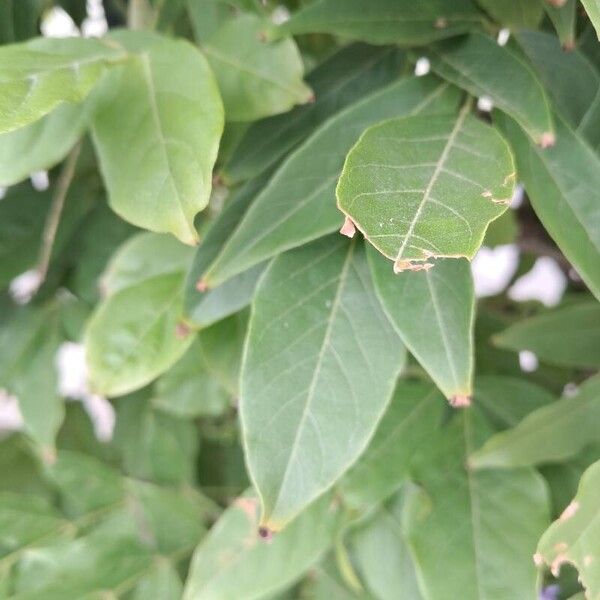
(459,61)
(550,434)
(433,312)
(19,20)
(571,79)
(568,336)
(382,555)
(155,446)
(162,583)
(574,537)
(320,364)
(514,14)
(564,20)
(256,78)
(233,562)
(42,144)
(28,345)
(295,208)
(133,336)
(143,257)
(386,21)
(204,307)
(479,528)
(38,75)
(592,7)
(563,185)
(156,148)
(427,187)
(338,81)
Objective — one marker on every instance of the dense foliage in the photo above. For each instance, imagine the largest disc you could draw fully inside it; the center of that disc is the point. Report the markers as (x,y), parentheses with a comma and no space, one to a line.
(298,413)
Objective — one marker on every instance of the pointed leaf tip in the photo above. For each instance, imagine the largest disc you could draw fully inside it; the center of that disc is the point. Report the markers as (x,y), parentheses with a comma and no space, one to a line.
(348,228)
(460,401)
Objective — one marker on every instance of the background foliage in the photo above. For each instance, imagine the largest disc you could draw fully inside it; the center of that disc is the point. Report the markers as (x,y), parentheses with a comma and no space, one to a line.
(269,409)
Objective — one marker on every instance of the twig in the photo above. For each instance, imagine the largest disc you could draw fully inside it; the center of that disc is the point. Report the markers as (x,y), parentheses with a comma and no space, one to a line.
(58,202)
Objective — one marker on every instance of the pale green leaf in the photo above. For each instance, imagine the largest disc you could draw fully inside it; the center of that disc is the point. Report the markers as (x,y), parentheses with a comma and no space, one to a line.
(564,20)
(157,129)
(162,583)
(592,7)
(37,75)
(515,14)
(433,312)
(550,434)
(143,257)
(320,364)
(478,528)
(571,79)
(346,76)
(382,555)
(298,204)
(568,336)
(386,21)
(426,187)
(233,563)
(563,185)
(575,537)
(256,78)
(133,336)
(41,144)
(483,68)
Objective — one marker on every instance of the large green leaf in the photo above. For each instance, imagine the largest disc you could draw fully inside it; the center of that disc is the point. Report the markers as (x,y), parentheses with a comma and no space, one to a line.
(411,421)
(563,185)
(479,528)
(514,14)
(338,81)
(19,20)
(28,344)
(41,144)
(592,8)
(234,563)
(482,67)
(38,75)
(426,187)
(382,555)
(386,21)
(133,336)
(433,312)
(298,204)
(319,369)
(550,434)
(575,537)
(256,78)
(569,336)
(572,80)
(157,131)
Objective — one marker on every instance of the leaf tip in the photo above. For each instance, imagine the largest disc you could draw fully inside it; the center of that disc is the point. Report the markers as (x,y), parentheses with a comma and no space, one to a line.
(547,140)
(460,401)
(202,286)
(182,330)
(348,228)
(266,534)
(440,23)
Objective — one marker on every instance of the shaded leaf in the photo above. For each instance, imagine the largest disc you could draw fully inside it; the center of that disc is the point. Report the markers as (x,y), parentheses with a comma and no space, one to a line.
(338,81)
(310,377)
(568,336)
(233,562)
(460,61)
(298,204)
(563,185)
(515,14)
(550,434)
(256,78)
(133,335)
(156,148)
(592,7)
(386,21)
(564,20)
(39,74)
(474,526)
(574,537)
(433,312)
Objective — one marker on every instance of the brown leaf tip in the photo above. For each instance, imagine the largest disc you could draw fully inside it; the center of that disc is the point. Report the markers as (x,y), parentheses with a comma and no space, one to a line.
(460,401)
(182,330)
(547,140)
(407,265)
(348,228)
(265,534)
(201,286)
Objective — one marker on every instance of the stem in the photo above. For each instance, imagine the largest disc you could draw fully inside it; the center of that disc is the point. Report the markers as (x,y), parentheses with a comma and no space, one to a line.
(140,15)
(58,202)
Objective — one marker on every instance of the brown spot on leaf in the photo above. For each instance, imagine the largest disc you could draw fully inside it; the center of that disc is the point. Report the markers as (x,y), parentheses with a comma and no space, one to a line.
(440,23)
(182,330)
(407,265)
(348,228)
(265,534)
